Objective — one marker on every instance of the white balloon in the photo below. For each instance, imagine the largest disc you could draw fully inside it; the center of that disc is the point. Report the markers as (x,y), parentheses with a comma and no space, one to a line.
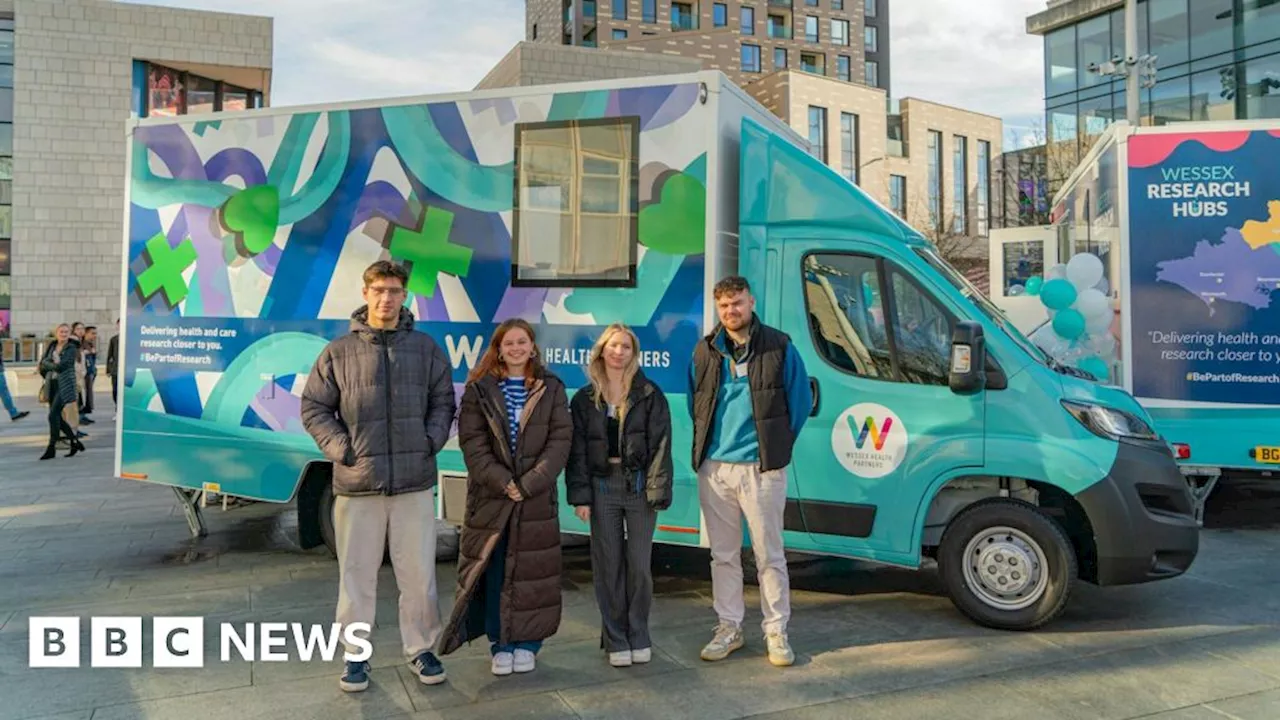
(1103,287)
(1103,345)
(1016,290)
(1055,272)
(1084,270)
(1099,324)
(1092,303)
(1050,341)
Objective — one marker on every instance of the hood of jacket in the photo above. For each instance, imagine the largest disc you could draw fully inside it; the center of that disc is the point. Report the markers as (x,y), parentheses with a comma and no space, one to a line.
(360,324)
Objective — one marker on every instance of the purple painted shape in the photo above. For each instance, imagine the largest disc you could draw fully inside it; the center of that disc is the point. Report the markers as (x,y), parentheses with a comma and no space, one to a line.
(614,106)
(278,408)
(677,104)
(171,144)
(381,199)
(268,259)
(237,162)
(436,309)
(524,303)
(266,127)
(1229,270)
(502,107)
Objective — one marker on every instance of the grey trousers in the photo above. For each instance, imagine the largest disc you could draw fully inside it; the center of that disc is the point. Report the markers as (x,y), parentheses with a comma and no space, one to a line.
(622,526)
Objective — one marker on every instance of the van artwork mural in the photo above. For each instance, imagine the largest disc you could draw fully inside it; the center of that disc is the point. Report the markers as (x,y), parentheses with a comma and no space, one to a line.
(248,236)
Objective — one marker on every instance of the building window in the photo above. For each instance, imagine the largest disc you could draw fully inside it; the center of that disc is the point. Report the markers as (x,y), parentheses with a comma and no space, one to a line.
(811,29)
(234,98)
(589,38)
(164,92)
(747,20)
(871,38)
(619,9)
(1060,61)
(811,3)
(935,179)
(871,73)
(898,195)
(960,184)
(535,31)
(682,17)
(837,4)
(849,146)
(818,132)
(1093,46)
(815,64)
(984,187)
(750,58)
(1262,85)
(1168,31)
(720,15)
(1260,22)
(779,58)
(869,8)
(778,28)
(842,67)
(619,34)
(202,94)
(649,11)
(840,32)
(577,200)
(589,8)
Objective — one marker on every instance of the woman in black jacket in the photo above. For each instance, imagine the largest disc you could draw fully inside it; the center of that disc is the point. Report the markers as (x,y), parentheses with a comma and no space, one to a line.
(58,367)
(620,471)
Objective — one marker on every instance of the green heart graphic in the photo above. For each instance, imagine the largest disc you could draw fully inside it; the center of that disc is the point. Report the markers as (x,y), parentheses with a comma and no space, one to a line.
(253,214)
(677,223)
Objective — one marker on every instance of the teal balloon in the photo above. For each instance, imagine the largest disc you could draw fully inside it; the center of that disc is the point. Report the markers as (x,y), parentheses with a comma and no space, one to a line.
(1035,285)
(1095,366)
(1058,294)
(1068,324)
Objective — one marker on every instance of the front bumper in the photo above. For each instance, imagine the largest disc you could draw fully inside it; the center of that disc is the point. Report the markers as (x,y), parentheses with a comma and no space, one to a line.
(1144,526)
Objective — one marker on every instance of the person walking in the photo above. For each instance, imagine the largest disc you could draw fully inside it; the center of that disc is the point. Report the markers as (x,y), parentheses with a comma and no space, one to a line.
(379,403)
(515,432)
(113,367)
(618,479)
(7,398)
(58,368)
(749,397)
(89,350)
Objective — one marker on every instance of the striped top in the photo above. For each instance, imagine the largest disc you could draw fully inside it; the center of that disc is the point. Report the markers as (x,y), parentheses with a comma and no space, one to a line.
(516,394)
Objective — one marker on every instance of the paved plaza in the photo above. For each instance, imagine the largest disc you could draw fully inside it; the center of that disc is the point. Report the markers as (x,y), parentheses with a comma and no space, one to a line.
(871,643)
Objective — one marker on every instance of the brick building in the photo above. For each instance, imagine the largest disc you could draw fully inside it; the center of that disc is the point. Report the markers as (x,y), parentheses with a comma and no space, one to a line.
(79,70)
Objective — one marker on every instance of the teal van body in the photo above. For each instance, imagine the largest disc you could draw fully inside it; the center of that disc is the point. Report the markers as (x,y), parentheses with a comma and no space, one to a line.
(937,429)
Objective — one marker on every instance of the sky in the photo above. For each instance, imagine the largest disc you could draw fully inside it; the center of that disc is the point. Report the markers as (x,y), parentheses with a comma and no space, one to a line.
(973,54)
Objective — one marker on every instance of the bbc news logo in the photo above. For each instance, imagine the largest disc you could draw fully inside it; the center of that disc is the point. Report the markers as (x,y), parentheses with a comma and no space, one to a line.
(178,642)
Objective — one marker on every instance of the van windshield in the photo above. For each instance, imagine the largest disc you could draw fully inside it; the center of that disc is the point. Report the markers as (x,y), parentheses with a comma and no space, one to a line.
(975,296)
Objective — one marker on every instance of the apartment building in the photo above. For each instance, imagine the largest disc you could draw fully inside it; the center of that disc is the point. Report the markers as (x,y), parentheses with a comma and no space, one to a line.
(746,39)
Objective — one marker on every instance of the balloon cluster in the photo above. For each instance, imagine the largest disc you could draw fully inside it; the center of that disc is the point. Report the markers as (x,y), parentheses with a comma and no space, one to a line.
(1080,314)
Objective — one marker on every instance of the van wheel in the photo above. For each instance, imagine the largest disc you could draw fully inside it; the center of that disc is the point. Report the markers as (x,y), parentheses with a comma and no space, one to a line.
(324,517)
(1007,565)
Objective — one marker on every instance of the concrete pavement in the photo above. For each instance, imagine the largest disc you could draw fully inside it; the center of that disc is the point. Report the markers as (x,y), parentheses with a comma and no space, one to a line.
(870,642)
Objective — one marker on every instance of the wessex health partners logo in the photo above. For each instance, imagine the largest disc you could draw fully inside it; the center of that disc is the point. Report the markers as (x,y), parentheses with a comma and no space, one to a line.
(178,642)
(869,440)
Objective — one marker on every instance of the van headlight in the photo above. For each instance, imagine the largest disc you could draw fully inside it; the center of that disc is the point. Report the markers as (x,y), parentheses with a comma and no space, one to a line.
(1108,422)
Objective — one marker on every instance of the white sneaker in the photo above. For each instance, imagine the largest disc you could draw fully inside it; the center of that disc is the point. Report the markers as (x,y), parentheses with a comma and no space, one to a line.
(620,659)
(780,653)
(727,638)
(524,661)
(502,663)
(641,657)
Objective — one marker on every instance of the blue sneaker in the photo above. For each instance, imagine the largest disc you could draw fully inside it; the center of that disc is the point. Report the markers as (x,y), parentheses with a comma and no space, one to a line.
(356,678)
(428,668)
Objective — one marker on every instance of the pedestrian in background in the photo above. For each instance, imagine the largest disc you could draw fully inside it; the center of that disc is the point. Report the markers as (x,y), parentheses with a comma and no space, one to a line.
(749,397)
(113,367)
(6,398)
(515,432)
(90,352)
(58,368)
(618,479)
(379,403)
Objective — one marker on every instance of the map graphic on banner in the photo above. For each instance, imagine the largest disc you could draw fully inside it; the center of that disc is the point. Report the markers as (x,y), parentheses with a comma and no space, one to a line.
(1205,266)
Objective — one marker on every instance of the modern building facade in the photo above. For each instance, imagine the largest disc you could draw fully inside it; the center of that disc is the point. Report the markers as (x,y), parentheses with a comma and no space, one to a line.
(843,39)
(72,72)
(1215,60)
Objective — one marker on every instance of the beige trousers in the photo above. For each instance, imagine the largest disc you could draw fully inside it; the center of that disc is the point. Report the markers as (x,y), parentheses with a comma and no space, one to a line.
(362,525)
(727,492)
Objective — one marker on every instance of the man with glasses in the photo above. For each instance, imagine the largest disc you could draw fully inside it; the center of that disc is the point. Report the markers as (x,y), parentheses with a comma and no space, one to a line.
(379,402)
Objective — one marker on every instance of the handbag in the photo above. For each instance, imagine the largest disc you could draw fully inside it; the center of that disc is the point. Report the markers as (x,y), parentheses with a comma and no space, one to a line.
(45,393)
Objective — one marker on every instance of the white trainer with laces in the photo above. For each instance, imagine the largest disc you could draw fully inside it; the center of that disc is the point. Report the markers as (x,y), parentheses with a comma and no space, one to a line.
(503,663)
(727,638)
(524,661)
(780,653)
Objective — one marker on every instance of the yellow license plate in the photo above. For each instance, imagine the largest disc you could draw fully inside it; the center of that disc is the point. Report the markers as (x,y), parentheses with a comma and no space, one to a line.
(1265,454)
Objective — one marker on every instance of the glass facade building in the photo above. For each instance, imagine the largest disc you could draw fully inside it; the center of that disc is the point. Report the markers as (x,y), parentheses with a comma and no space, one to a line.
(1215,60)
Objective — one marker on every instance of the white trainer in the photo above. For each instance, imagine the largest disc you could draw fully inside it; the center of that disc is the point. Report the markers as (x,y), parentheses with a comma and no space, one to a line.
(642,656)
(621,658)
(503,663)
(524,661)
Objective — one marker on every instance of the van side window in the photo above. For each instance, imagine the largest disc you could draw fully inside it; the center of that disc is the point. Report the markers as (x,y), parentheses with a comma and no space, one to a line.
(846,313)
(574,222)
(922,331)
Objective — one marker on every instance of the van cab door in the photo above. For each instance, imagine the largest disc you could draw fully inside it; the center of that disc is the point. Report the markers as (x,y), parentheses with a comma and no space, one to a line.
(876,344)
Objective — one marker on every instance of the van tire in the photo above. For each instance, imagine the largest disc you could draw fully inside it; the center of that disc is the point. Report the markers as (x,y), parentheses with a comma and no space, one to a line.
(1007,534)
(324,518)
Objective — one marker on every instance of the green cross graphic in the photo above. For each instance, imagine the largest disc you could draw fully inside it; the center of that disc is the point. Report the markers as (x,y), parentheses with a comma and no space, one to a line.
(429,252)
(165,269)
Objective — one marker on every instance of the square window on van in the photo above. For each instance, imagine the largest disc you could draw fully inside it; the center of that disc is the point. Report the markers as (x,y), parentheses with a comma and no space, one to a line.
(576,203)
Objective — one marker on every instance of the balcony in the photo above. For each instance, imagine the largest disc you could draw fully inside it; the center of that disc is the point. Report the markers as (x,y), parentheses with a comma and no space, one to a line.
(779,32)
(781,4)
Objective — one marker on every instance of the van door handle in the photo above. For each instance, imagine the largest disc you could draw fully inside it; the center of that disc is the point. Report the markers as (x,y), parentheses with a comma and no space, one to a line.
(817,396)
